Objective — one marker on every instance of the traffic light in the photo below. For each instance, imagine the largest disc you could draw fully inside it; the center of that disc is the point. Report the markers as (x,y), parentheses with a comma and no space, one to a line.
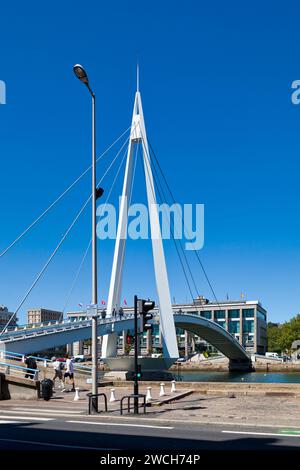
(138,374)
(144,307)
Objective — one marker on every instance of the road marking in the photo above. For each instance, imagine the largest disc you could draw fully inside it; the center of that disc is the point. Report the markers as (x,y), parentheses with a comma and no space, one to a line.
(289,431)
(123,424)
(51,444)
(27,418)
(261,433)
(49,410)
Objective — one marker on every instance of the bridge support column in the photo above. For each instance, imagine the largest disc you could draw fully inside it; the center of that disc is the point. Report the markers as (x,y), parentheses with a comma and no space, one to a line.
(124,335)
(186,344)
(193,343)
(109,345)
(78,348)
(70,349)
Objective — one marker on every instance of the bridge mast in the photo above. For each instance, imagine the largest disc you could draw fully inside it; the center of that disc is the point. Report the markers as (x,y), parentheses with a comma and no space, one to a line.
(138,135)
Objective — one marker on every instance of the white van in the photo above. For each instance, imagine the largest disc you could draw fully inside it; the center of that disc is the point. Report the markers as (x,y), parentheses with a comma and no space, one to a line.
(272,354)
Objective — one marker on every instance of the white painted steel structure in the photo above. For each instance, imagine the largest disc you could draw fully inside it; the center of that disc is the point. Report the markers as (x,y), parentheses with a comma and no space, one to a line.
(138,136)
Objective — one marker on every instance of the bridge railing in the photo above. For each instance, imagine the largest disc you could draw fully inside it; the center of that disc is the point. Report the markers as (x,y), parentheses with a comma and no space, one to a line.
(27,330)
(41,361)
(18,371)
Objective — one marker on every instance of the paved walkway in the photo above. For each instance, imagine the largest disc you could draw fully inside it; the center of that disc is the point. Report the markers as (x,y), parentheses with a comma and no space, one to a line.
(241,410)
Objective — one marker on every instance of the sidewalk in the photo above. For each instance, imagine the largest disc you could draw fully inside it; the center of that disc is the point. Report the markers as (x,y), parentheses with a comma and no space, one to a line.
(274,411)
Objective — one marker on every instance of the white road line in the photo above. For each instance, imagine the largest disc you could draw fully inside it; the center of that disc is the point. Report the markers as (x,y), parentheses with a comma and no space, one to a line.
(122,424)
(51,444)
(261,433)
(48,410)
(26,418)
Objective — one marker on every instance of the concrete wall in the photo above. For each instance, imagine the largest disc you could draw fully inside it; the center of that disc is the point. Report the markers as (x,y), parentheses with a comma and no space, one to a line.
(18,388)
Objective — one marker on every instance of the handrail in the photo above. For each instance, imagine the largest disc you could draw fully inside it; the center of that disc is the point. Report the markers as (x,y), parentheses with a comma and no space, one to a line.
(65,325)
(12,355)
(13,366)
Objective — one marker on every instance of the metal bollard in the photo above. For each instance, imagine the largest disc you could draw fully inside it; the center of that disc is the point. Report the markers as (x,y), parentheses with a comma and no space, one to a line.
(173,388)
(162,392)
(148,396)
(36,375)
(76,397)
(112,395)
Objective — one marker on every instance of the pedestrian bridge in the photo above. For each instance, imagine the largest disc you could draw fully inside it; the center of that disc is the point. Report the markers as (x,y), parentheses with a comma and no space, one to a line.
(30,339)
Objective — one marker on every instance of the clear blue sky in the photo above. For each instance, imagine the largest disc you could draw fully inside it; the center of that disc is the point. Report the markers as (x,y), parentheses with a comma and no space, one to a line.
(216,84)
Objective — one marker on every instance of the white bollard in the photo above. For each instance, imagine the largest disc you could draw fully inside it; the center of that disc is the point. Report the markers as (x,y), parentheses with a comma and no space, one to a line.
(162,392)
(77,397)
(148,396)
(112,395)
(45,363)
(173,388)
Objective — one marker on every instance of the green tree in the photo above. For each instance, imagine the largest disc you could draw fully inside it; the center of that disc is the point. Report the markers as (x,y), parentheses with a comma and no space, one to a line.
(280,337)
(274,336)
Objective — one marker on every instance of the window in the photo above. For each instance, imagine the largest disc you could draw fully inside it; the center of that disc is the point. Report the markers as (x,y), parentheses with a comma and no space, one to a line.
(219,314)
(234,327)
(248,312)
(206,314)
(221,323)
(261,315)
(235,313)
(248,326)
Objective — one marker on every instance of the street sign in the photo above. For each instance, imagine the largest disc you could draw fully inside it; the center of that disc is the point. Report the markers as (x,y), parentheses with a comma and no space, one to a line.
(92,310)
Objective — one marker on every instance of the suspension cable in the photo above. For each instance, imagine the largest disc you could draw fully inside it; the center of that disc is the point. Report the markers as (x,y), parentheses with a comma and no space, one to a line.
(55,251)
(181,262)
(195,251)
(87,250)
(22,234)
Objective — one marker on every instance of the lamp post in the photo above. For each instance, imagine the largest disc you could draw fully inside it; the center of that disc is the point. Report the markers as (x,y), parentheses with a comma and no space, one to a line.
(82,76)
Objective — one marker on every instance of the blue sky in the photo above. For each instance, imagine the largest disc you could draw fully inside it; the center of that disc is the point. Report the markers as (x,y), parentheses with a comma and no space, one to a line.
(216,87)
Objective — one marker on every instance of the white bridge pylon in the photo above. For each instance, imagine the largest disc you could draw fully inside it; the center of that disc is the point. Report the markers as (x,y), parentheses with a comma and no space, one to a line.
(167,325)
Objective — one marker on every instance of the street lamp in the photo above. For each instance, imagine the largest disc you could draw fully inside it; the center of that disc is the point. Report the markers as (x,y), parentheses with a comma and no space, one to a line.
(82,76)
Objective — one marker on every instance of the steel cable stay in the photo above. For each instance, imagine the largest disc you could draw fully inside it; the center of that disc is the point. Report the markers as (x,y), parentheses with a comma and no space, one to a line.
(179,256)
(90,242)
(186,231)
(41,216)
(176,240)
(55,250)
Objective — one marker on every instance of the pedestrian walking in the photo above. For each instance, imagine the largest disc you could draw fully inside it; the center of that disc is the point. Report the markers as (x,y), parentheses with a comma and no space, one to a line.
(58,367)
(30,364)
(69,374)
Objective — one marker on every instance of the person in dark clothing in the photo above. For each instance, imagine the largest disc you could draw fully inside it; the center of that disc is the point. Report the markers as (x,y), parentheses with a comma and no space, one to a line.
(30,364)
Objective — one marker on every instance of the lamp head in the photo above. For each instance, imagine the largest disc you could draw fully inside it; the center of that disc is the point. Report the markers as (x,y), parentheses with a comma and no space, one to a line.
(81,74)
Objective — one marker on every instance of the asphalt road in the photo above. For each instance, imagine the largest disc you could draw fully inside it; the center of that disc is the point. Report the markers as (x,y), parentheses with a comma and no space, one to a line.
(21,430)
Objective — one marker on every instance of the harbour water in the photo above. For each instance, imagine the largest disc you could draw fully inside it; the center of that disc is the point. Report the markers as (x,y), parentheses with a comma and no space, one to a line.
(246,377)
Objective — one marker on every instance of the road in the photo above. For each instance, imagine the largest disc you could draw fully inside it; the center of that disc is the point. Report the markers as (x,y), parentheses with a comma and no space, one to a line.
(22,429)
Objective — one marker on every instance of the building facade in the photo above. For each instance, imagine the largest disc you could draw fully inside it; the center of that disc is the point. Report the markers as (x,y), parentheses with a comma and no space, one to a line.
(244,319)
(41,315)
(5,317)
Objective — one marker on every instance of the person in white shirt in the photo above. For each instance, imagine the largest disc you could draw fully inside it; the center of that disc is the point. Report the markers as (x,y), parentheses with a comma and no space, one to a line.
(58,367)
(69,373)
